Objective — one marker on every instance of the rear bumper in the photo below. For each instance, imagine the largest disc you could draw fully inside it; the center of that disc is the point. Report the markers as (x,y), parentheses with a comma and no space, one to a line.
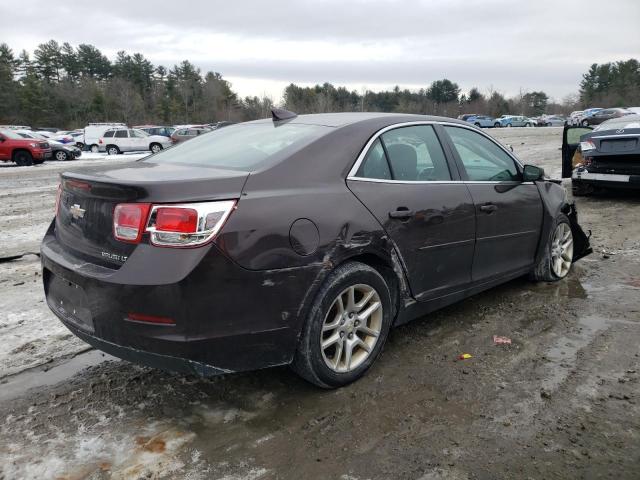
(227,318)
(605,179)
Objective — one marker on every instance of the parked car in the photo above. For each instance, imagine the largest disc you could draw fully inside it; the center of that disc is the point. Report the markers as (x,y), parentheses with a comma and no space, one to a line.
(574,117)
(189,133)
(222,124)
(481,121)
(466,116)
(514,121)
(551,121)
(607,156)
(157,130)
(335,226)
(22,151)
(60,151)
(603,115)
(119,140)
(583,119)
(94,131)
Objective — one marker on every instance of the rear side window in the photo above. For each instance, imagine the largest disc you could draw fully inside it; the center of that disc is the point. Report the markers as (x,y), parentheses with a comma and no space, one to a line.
(482,159)
(375,164)
(242,146)
(121,134)
(411,154)
(109,134)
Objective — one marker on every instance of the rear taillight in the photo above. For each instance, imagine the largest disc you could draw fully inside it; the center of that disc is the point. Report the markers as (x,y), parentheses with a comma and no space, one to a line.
(58,195)
(187,225)
(129,220)
(183,225)
(100,141)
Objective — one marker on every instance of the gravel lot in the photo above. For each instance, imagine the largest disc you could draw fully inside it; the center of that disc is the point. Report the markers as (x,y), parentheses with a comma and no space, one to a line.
(562,401)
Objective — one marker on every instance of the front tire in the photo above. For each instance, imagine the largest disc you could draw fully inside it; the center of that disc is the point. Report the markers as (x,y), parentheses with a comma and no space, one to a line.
(585,123)
(557,259)
(94,148)
(477,124)
(23,159)
(496,125)
(155,147)
(62,156)
(347,326)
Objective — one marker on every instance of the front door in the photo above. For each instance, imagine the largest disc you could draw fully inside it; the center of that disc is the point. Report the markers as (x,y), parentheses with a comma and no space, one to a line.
(571,156)
(406,182)
(508,211)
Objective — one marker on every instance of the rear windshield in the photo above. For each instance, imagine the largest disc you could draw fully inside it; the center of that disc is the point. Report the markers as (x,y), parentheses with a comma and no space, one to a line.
(242,147)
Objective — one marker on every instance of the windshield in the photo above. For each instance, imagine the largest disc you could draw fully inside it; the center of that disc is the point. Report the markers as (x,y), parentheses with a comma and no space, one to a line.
(242,146)
(10,134)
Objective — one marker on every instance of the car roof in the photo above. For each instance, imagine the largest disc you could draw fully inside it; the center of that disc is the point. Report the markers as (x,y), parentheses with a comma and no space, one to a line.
(351,118)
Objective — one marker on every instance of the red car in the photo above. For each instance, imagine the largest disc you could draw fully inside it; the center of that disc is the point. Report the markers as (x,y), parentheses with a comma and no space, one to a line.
(23,151)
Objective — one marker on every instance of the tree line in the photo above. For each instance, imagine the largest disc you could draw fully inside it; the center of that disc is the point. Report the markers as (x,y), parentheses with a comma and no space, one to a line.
(65,86)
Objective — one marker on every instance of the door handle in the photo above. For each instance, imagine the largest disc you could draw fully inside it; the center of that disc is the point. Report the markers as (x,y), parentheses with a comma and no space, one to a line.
(401,213)
(489,208)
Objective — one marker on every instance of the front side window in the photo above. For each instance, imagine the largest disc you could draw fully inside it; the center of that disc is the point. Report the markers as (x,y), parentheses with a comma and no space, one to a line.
(482,159)
(411,153)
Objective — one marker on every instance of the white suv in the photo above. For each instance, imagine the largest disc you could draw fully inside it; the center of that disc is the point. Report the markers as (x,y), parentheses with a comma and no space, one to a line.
(118,140)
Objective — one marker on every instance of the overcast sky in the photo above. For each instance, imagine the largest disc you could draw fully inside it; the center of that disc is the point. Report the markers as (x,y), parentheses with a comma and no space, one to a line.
(261,46)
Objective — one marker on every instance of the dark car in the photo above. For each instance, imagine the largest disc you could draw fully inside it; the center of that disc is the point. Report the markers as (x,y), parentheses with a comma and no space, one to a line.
(60,151)
(188,133)
(603,115)
(298,241)
(605,157)
(157,130)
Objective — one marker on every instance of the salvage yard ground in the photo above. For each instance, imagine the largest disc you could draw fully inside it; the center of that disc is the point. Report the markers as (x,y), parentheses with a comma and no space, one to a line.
(561,401)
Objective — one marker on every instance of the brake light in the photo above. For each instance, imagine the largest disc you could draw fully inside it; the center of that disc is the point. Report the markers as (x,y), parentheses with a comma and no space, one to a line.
(129,220)
(100,140)
(175,219)
(188,225)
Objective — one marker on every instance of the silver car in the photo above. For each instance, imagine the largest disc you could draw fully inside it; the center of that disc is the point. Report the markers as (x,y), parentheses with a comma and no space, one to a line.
(119,140)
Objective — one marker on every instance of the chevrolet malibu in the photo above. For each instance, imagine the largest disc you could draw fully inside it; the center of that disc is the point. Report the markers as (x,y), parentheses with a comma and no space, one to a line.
(297,240)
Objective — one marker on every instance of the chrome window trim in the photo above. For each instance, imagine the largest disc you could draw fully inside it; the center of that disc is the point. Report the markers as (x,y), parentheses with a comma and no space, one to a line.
(442,182)
(352,173)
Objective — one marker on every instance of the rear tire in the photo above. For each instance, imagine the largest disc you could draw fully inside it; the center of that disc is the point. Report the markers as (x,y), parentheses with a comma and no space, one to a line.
(557,258)
(477,124)
(509,125)
(23,159)
(344,332)
(113,150)
(94,148)
(585,123)
(496,125)
(527,124)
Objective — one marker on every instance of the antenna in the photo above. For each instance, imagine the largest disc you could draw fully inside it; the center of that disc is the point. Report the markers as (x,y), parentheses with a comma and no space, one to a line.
(279,114)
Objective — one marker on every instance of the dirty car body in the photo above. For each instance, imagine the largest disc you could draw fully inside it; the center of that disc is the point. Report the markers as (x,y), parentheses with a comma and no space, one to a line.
(301,198)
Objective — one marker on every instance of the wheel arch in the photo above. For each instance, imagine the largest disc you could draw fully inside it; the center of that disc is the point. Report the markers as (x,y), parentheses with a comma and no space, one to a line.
(16,151)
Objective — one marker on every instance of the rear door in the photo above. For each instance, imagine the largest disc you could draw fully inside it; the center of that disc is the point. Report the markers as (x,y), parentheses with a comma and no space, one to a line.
(405,180)
(570,143)
(121,139)
(508,211)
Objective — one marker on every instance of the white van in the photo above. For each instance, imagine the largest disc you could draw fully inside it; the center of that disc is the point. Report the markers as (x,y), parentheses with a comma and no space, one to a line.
(94,131)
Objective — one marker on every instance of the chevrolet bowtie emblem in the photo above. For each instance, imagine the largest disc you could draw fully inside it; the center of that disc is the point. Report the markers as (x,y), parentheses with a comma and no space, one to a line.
(76,211)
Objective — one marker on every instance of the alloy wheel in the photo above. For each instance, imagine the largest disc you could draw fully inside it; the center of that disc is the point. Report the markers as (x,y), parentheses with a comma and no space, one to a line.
(561,250)
(155,148)
(351,328)
(61,156)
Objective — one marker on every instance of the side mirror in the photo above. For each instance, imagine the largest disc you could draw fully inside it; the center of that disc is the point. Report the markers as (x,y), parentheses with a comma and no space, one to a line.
(531,173)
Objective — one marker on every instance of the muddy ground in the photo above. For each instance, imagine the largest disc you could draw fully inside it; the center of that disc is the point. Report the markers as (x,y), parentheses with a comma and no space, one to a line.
(560,402)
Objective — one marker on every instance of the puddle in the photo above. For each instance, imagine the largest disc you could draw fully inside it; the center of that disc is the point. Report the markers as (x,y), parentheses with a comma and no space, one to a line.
(17,385)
